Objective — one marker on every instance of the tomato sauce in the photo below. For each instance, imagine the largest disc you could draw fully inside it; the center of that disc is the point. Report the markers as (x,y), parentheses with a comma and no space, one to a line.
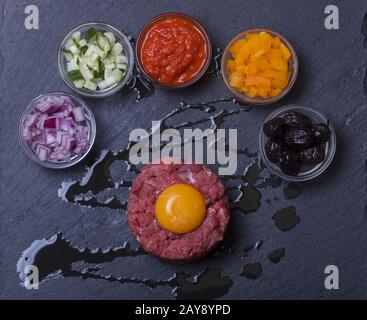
(173,50)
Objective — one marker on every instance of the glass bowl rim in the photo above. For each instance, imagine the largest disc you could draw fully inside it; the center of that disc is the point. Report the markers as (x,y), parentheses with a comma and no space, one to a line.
(316,170)
(99,93)
(258,100)
(31,154)
(202,30)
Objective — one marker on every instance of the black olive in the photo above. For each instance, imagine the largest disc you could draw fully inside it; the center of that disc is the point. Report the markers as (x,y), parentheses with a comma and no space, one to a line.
(274,128)
(273,149)
(298,139)
(290,163)
(321,133)
(297,120)
(312,156)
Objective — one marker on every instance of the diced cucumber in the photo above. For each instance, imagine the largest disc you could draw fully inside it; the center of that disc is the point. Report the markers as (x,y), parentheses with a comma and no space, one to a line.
(89,51)
(79,83)
(93,48)
(68,44)
(72,65)
(92,64)
(83,43)
(107,73)
(121,66)
(103,84)
(121,59)
(91,61)
(99,73)
(86,73)
(76,43)
(68,55)
(75,75)
(108,60)
(96,80)
(90,85)
(83,50)
(96,61)
(91,35)
(110,66)
(111,37)
(74,49)
(76,36)
(103,43)
(117,48)
(115,77)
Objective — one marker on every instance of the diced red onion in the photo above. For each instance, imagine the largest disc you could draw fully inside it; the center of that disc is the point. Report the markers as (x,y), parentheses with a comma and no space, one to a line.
(40,120)
(50,138)
(56,129)
(65,123)
(55,101)
(31,120)
(43,152)
(64,110)
(78,114)
(52,123)
(27,134)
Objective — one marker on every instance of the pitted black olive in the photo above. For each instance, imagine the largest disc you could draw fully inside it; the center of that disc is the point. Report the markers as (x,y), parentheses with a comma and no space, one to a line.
(312,156)
(298,139)
(274,128)
(290,163)
(273,149)
(297,120)
(321,133)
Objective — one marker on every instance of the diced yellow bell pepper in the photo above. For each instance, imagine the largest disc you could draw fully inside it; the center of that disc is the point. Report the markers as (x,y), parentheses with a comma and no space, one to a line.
(259,65)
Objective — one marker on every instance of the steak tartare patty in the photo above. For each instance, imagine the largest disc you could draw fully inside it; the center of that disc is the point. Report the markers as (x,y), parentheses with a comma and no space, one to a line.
(156,240)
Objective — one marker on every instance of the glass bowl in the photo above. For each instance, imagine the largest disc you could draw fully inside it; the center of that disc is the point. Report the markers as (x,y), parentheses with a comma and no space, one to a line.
(140,41)
(120,37)
(90,122)
(293,65)
(307,172)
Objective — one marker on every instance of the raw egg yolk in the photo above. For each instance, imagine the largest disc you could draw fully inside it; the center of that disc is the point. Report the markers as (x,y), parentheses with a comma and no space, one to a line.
(180,208)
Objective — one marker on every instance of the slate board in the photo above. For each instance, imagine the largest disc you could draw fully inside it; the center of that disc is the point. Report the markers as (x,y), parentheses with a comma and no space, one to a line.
(333,226)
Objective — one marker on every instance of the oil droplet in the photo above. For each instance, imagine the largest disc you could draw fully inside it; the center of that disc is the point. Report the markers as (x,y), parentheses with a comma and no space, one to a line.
(292,190)
(208,285)
(142,86)
(286,219)
(252,270)
(259,244)
(276,255)
(271,181)
(56,257)
(214,69)
(248,201)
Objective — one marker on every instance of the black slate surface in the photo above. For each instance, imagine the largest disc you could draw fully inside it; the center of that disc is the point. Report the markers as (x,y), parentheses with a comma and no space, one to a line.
(332,227)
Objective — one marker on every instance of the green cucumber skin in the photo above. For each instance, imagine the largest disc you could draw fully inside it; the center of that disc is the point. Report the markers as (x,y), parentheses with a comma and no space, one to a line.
(90,34)
(75,75)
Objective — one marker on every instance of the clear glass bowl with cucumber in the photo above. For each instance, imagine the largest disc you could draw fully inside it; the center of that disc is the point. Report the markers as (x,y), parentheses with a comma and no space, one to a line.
(95,59)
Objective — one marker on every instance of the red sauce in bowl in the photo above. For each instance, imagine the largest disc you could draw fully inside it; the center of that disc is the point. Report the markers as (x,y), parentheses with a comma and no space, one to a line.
(173,50)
